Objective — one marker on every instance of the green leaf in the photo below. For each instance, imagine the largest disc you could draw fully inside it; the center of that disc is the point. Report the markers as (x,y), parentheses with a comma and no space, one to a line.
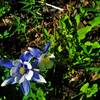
(1,36)
(93,69)
(88,43)
(89,91)
(46,32)
(84,88)
(82,10)
(59,48)
(77,18)
(40,94)
(83,31)
(92,90)
(62,24)
(94,44)
(6,34)
(95,21)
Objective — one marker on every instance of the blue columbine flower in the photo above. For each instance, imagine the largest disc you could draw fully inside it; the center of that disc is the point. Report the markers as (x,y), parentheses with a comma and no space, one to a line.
(41,55)
(22,72)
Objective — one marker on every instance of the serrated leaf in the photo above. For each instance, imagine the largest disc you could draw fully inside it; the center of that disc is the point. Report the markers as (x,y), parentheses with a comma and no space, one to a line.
(84,88)
(94,44)
(92,90)
(88,43)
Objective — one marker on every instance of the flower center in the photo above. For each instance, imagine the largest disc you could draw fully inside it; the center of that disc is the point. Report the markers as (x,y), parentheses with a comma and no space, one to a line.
(21,70)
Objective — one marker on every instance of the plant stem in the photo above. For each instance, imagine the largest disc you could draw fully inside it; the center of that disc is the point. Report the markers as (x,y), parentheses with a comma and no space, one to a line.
(55,7)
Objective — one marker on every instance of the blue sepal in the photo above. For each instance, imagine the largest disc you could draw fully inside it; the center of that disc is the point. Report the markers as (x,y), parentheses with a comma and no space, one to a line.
(35,52)
(26,56)
(35,75)
(45,49)
(6,63)
(10,80)
(25,87)
(34,63)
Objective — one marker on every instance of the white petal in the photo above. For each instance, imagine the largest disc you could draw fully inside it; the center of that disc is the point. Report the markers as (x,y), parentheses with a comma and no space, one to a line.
(40,80)
(22,79)
(7,81)
(15,80)
(25,52)
(17,62)
(13,71)
(40,58)
(37,70)
(28,65)
(52,56)
(30,49)
(4,83)
(29,75)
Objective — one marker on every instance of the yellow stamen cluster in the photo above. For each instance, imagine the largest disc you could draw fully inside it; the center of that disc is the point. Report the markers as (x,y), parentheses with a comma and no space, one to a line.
(21,70)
